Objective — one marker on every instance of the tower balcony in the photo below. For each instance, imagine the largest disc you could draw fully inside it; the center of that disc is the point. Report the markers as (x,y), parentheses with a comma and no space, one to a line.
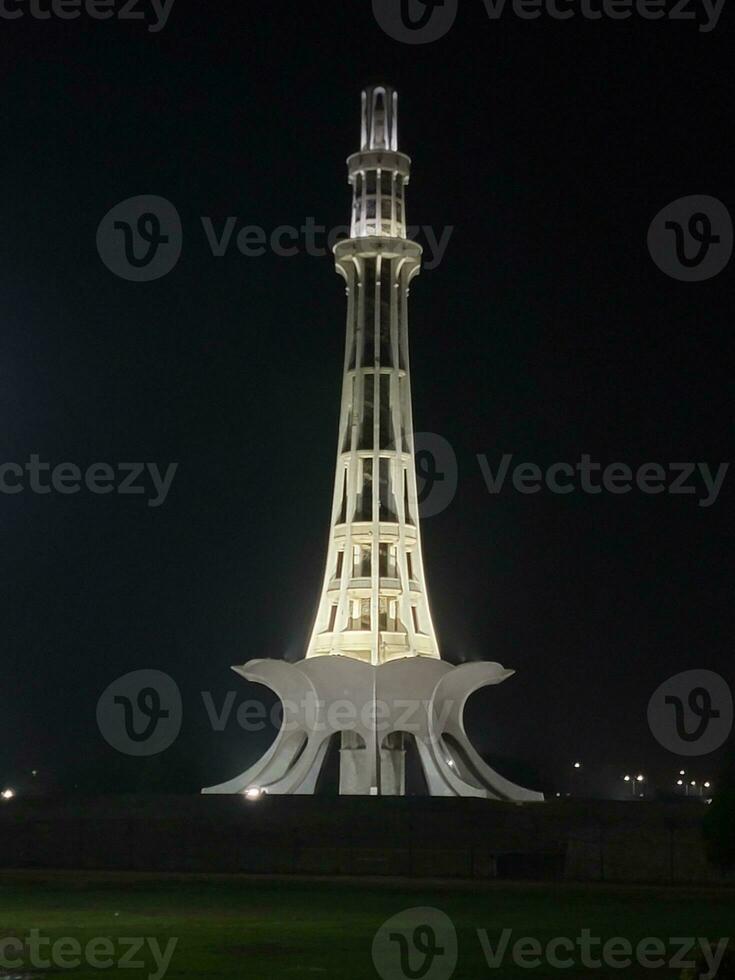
(371,245)
(387,585)
(369,160)
(389,531)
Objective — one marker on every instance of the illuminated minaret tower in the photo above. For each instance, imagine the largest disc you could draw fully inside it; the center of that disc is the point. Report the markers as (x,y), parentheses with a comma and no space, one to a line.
(373,603)
(372,682)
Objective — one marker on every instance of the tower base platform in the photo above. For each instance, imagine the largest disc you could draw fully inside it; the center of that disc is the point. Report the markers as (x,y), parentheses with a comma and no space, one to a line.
(374,711)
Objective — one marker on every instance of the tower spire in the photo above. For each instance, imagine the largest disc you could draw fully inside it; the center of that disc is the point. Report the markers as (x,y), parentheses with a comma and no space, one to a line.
(379,118)
(379,173)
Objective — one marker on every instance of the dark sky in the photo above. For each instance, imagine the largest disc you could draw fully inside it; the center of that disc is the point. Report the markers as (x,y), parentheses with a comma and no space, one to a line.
(547,331)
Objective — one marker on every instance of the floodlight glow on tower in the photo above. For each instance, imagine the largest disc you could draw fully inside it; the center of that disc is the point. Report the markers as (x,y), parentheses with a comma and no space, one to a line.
(373,647)
(373,605)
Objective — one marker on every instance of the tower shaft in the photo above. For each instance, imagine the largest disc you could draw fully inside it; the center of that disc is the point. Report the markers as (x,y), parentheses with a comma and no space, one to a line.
(373,605)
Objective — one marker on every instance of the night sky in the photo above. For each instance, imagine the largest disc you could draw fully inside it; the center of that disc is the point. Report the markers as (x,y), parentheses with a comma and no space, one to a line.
(546,331)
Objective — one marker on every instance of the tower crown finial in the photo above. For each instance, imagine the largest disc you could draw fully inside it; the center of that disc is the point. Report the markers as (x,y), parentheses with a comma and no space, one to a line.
(379,118)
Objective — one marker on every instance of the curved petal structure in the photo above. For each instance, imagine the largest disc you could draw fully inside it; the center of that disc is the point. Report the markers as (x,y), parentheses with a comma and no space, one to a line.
(375,709)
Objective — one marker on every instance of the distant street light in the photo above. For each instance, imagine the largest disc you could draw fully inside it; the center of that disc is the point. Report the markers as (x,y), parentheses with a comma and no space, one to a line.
(577,786)
(8,794)
(699,788)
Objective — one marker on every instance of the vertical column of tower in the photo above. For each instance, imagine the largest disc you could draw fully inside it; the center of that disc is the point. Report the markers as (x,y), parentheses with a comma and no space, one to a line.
(373,604)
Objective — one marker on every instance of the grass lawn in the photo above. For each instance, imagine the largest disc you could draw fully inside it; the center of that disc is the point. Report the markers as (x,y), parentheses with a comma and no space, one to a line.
(264,928)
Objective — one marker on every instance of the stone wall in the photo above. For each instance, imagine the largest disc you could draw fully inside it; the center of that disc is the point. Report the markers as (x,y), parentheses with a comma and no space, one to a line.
(413,837)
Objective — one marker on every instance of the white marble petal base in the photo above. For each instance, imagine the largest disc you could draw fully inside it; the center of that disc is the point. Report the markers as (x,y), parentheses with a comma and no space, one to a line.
(375,708)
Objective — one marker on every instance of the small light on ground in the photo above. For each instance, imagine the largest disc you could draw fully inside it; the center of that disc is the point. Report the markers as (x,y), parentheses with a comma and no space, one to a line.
(254,793)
